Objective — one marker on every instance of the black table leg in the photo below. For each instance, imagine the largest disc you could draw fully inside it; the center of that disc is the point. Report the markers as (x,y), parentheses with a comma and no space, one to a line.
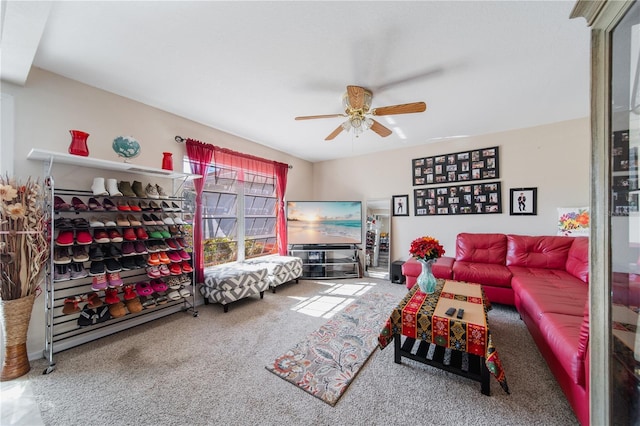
(396,347)
(485,378)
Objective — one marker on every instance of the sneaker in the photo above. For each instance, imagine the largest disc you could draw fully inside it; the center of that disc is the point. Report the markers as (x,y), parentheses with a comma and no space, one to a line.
(186,268)
(184,255)
(153,272)
(114,279)
(111,250)
(174,269)
(155,233)
(129,234)
(140,248)
(151,246)
(182,242)
(95,253)
(61,273)
(151,191)
(164,270)
(65,238)
(100,236)
(153,259)
(164,259)
(141,234)
(161,193)
(61,256)
(99,282)
(115,236)
(112,265)
(79,254)
(172,244)
(128,249)
(84,237)
(173,256)
(77,271)
(140,261)
(128,263)
(97,268)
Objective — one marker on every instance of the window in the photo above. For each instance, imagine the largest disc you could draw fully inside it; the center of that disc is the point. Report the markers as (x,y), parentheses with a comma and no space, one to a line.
(238,215)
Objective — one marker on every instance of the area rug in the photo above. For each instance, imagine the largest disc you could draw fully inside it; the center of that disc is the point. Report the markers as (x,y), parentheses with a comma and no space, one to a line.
(328,360)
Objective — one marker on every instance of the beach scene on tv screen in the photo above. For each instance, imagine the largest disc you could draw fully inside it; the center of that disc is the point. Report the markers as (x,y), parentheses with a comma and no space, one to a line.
(324,222)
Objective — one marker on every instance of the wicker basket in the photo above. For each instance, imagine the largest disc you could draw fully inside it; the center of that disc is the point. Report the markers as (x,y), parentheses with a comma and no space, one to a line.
(15,316)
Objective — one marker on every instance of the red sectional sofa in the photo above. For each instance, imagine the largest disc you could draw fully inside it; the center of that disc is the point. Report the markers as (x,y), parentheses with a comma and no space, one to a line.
(547,279)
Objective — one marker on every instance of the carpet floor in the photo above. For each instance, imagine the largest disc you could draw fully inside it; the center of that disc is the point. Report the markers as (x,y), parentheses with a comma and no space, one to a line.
(210,370)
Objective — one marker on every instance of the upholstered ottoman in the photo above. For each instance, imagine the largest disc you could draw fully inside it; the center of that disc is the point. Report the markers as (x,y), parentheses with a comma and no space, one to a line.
(282,269)
(230,283)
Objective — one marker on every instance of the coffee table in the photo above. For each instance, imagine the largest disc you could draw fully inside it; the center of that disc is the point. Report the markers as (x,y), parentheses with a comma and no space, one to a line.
(423,332)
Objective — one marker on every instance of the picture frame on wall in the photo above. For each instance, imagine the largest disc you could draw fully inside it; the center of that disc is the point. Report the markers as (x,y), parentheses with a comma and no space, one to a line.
(523,201)
(400,205)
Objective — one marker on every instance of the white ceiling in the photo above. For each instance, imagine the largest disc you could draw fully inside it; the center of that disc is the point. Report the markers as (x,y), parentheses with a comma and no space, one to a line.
(248,68)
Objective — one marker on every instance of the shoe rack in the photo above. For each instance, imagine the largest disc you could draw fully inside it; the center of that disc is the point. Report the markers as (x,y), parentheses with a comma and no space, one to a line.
(101,277)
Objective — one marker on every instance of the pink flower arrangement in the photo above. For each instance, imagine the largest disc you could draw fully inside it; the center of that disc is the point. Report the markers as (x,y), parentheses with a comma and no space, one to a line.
(426,248)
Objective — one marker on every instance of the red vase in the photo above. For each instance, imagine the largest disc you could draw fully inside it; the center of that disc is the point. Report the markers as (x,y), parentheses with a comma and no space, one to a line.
(167,161)
(79,143)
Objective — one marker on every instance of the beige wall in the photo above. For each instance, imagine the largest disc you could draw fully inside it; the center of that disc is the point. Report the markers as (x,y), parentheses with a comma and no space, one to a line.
(50,105)
(554,158)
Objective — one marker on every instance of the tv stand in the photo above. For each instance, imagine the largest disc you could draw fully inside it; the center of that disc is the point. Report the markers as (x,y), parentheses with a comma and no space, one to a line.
(325,261)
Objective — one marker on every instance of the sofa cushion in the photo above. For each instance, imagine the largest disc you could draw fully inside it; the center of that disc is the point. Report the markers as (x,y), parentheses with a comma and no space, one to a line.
(562,334)
(538,296)
(548,252)
(578,259)
(482,273)
(481,248)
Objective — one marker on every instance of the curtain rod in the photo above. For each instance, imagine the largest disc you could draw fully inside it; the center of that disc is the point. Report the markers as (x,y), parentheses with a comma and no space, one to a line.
(180,139)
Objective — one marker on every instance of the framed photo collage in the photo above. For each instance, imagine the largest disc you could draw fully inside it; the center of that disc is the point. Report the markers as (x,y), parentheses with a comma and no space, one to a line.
(464,196)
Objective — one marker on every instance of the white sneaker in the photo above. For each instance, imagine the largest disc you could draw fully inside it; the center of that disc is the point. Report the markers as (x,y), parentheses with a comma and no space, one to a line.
(161,192)
(152,191)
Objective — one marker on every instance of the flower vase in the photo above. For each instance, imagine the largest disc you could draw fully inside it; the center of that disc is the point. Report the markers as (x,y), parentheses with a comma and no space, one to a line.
(167,161)
(15,316)
(426,279)
(79,143)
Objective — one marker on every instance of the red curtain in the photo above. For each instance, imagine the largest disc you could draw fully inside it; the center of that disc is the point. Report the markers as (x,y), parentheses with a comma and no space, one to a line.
(239,161)
(200,155)
(281,187)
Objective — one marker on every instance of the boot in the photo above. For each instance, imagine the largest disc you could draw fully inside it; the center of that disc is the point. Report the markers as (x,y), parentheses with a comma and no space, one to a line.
(98,187)
(125,187)
(137,188)
(112,187)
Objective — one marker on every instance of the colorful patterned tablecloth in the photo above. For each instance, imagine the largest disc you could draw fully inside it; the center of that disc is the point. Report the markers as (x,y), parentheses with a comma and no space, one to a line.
(422,316)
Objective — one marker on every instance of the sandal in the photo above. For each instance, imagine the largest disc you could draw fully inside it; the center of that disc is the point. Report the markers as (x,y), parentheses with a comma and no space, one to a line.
(71,305)
(78,204)
(148,302)
(61,205)
(63,223)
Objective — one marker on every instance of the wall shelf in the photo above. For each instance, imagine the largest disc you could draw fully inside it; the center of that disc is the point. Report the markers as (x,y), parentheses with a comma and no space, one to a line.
(96,163)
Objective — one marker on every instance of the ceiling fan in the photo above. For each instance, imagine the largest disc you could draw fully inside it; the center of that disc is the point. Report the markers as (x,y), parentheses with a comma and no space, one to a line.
(357,108)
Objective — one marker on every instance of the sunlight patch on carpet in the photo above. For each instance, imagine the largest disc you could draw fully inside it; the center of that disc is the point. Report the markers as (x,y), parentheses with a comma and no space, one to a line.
(328,360)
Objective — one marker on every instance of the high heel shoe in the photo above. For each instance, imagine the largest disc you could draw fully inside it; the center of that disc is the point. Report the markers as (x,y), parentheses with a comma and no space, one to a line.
(94,205)
(109,205)
(61,205)
(78,204)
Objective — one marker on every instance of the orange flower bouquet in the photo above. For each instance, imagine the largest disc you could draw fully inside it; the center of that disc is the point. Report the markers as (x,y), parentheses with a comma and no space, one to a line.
(426,250)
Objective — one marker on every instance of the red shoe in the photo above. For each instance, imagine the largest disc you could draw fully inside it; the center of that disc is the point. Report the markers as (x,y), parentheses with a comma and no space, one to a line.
(129,292)
(100,236)
(184,255)
(172,244)
(111,296)
(134,207)
(123,206)
(115,236)
(174,257)
(84,237)
(65,238)
(175,269)
(164,259)
(186,268)
(129,234)
(141,234)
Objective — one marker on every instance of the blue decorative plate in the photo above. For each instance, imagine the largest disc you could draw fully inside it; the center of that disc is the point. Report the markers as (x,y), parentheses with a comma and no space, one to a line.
(126,147)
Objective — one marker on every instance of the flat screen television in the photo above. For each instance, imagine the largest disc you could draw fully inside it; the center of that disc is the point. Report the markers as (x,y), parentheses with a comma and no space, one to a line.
(324,222)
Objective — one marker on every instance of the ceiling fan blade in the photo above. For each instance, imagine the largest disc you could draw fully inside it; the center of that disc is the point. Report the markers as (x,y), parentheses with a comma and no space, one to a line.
(356,96)
(311,117)
(400,109)
(335,133)
(380,129)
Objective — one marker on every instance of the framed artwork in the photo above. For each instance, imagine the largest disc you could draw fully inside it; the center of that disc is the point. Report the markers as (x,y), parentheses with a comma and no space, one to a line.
(523,201)
(478,198)
(400,205)
(477,164)
(573,221)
